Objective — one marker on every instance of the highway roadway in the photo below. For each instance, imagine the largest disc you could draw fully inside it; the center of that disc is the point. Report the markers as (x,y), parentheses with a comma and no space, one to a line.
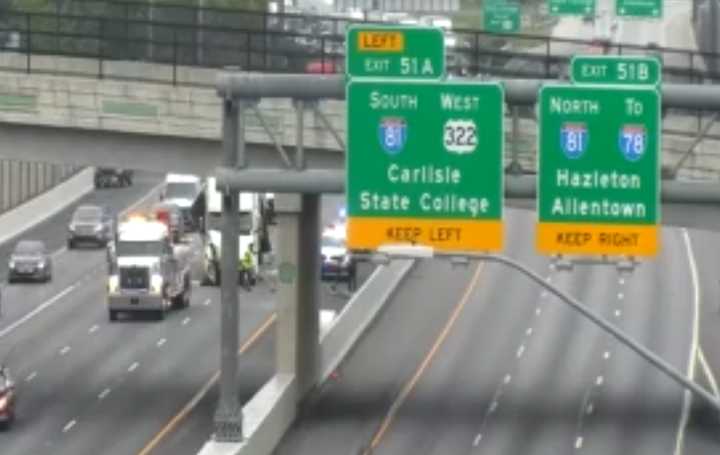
(88,386)
(490,364)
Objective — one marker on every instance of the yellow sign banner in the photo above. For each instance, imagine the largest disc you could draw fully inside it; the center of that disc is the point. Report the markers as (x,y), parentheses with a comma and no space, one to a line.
(602,239)
(367,233)
(381,41)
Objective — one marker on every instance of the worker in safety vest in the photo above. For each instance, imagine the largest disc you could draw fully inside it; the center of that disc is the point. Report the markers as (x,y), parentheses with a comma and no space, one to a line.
(247,265)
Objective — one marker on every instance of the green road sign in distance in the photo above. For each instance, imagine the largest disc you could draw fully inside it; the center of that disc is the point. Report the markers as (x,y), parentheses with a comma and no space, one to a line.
(424,164)
(395,52)
(571,7)
(599,171)
(623,70)
(639,8)
(501,16)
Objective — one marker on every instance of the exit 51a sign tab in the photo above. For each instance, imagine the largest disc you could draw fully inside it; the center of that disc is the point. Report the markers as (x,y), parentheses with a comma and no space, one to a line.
(395,52)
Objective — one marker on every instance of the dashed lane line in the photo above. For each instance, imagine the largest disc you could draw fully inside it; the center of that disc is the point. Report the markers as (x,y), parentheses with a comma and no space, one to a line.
(410,385)
(47,304)
(69,426)
(185,411)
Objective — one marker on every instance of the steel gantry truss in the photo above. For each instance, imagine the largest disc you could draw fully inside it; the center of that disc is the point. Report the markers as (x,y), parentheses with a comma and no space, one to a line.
(302,181)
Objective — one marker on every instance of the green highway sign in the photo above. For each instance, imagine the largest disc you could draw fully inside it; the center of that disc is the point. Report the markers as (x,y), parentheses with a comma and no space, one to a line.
(395,52)
(571,7)
(501,16)
(639,8)
(599,170)
(424,164)
(623,70)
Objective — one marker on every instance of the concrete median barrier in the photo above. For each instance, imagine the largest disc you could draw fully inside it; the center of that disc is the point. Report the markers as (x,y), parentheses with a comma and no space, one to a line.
(21,218)
(268,415)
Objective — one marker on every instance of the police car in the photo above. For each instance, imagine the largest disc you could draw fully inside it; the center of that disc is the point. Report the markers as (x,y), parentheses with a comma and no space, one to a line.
(335,257)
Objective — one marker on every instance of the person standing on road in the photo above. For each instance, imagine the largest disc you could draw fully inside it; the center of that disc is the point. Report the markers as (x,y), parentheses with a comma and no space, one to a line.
(246,268)
(352,275)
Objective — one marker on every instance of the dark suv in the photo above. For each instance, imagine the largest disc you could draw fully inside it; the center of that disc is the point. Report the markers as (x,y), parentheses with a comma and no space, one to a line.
(109,177)
(90,224)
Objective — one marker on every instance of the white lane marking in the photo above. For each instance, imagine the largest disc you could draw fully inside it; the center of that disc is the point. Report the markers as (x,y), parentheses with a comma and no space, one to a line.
(103,394)
(493,406)
(195,283)
(543,294)
(207,302)
(31,376)
(708,372)
(507,379)
(476,441)
(538,310)
(142,200)
(621,281)
(64,350)
(57,253)
(94,328)
(618,313)
(599,381)
(590,408)
(36,311)
(549,279)
(687,397)
(620,295)
(133,367)
(69,426)
(579,442)
(529,331)
(186,320)
(606,355)
(520,351)
(161,341)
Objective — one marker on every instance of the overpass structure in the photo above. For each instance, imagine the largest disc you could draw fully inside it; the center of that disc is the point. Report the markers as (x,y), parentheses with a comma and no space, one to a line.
(294,127)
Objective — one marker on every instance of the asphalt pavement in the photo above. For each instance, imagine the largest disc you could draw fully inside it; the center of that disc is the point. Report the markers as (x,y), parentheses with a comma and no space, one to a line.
(489,363)
(88,386)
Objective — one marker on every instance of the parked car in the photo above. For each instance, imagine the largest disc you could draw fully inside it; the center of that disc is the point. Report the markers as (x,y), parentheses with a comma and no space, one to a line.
(110,177)
(90,224)
(30,260)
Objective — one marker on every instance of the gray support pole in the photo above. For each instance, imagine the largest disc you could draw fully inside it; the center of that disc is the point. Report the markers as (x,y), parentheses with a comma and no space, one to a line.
(228,417)
(515,167)
(516,186)
(521,92)
(299,134)
(298,291)
(714,34)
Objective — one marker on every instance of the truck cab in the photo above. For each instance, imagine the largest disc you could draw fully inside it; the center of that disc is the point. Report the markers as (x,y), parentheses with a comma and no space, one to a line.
(148,274)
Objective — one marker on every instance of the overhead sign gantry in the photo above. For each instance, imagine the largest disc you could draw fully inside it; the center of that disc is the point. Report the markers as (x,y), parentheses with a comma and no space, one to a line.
(424,161)
(599,159)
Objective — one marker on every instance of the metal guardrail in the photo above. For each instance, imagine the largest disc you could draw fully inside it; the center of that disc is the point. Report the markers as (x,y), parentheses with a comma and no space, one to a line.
(286,43)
